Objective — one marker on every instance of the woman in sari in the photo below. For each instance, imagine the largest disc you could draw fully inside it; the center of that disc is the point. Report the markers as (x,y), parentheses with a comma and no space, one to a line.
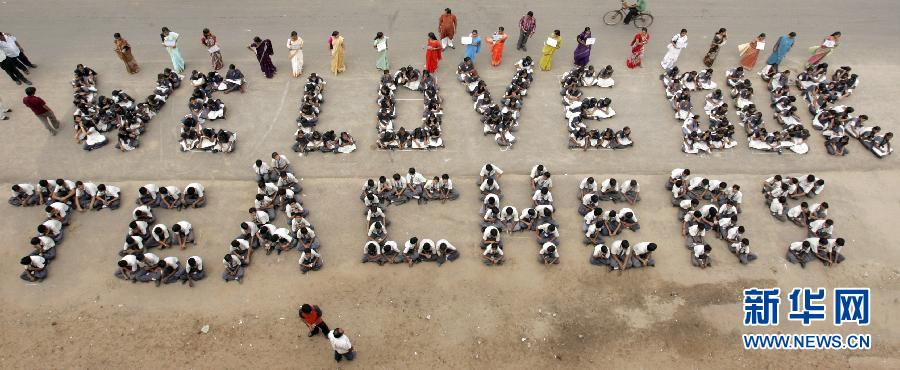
(432,53)
(548,51)
(264,53)
(382,62)
(473,48)
(295,52)
(678,43)
(750,51)
(123,50)
(212,46)
(718,40)
(583,50)
(821,51)
(170,41)
(497,42)
(638,43)
(336,43)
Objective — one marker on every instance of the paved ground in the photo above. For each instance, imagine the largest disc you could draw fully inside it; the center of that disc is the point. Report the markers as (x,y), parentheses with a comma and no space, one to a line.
(569,315)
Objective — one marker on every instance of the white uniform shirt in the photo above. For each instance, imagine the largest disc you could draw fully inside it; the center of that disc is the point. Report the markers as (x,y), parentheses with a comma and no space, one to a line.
(186,227)
(589,187)
(640,248)
(87,187)
(699,249)
(415,179)
(545,250)
(542,197)
(132,262)
(494,173)
(598,253)
(197,188)
(340,345)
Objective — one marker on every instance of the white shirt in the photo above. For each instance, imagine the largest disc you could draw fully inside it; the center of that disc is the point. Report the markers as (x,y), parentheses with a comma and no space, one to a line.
(372,229)
(340,345)
(598,253)
(795,212)
(776,207)
(89,188)
(535,173)
(488,187)
(131,260)
(54,226)
(262,169)
(390,246)
(142,208)
(628,187)
(26,189)
(415,179)
(487,232)
(152,190)
(171,261)
(678,173)
(733,233)
(485,173)
(544,229)
(198,266)
(408,246)
(243,245)
(541,182)
(592,187)
(197,187)
(185,227)
(699,249)
(546,246)
(111,191)
(262,217)
(623,211)
(173,191)
(424,242)
(607,186)
(371,243)
(450,247)
(509,213)
(150,260)
(9,47)
(617,249)
(798,246)
(640,248)
(46,243)
(165,232)
(817,225)
(541,197)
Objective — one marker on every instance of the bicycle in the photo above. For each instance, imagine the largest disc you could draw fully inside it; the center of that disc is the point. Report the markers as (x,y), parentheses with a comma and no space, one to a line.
(614,17)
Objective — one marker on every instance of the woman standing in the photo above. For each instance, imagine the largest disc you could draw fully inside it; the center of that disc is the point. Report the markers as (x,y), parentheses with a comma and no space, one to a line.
(295,52)
(170,41)
(638,43)
(718,40)
(821,51)
(336,43)
(750,51)
(497,42)
(583,50)
(473,48)
(212,46)
(550,48)
(123,50)
(432,53)
(264,53)
(678,43)
(380,46)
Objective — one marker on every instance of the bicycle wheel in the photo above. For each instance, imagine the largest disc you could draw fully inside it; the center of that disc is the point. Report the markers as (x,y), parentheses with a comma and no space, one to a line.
(612,17)
(643,20)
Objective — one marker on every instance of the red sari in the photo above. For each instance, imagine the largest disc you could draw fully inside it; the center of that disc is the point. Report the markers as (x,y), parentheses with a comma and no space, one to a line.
(637,50)
(750,55)
(432,55)
(497,49)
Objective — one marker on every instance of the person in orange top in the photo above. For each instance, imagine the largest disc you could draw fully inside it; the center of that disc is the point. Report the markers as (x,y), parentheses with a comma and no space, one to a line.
(447,28)
(497,41)
(312,317)
(432,53)
(750,53)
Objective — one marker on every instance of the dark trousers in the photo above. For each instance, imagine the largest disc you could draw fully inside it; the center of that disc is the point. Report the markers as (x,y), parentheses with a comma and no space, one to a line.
(523,38)
(23,61)
(631,13)
(349,356)
(10,66)
(322,325)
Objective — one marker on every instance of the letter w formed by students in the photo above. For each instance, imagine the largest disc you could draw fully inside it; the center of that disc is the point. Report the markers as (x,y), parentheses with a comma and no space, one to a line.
(499,115)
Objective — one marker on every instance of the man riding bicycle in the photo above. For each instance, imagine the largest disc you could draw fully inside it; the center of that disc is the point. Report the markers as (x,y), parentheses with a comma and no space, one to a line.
(634,9)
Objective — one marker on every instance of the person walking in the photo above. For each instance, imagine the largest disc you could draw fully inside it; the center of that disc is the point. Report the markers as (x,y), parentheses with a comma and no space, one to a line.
(4,110)
(212,46)
(820,52)
(11,47)
(123,50)
(782,47)
(678,43)
(295,53)
(41,110)
(719,39)
(638,44)
(447,28)
(433,53)
(341,345)
(312,317)
(170,41)
(527,25)
(582,55)
(750,51)
(336,43)
(380,45)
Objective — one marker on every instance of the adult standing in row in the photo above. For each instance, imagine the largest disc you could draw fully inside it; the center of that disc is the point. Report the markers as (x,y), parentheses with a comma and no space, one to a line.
(170,41)
(381,47)
(638,44)
(820,52)
(550,48)
(583,50)
(12,49)
(473,48)
(433,53)
(497,42)
(264,53)
(41,110)
(750,51)
(312,316)
(718,40)
(527,25)
(678,43)
(782,47)
(9,66)
(336,43)
(123,50)
(447,28)
(212,46)
(295,54)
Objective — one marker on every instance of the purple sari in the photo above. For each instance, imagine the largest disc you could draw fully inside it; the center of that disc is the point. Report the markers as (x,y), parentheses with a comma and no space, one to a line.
(583,52)
(264,54)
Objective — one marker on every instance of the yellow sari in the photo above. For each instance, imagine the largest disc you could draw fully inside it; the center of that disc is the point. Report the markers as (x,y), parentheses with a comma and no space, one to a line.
(547,58)
(337,55)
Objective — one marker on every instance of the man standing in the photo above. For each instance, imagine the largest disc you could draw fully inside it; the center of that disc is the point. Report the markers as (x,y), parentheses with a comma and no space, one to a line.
(447,28)
(340,343)
(527,26)
(312,317)
(13,50)
(9,66)
(41,110)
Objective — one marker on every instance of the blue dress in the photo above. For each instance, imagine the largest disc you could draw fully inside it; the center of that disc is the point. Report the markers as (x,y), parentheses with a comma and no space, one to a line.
(473,49)
(784,46)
